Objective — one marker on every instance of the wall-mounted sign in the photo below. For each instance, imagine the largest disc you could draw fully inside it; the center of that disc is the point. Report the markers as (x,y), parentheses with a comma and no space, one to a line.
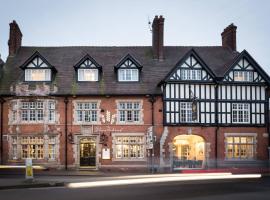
(106,154)
(107,129)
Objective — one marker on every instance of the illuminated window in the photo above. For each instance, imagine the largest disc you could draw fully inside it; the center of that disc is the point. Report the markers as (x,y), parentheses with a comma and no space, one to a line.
(87,112)
(129,147)
(243,76)
(240,113)
(52,147)
(240,147)
(87,74)
(37,75)
(32,147)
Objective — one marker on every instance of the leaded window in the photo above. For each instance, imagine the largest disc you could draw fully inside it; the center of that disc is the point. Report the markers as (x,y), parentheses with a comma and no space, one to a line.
(243,76)
(52,147)
(129,147)
(32,147)
(88,69)
(32,111)
(129,111)
(87,112)
(240,113)
(240,147)
(186,112)
(191,74)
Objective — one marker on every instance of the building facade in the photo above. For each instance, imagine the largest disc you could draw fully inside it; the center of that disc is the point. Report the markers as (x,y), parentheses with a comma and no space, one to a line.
(153,107)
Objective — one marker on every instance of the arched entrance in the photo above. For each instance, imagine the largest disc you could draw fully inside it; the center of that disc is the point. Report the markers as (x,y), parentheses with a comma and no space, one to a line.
(188,152)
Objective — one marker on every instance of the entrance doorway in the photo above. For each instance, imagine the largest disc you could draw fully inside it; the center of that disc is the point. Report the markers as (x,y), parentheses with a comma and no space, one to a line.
(188,151)
(88,152)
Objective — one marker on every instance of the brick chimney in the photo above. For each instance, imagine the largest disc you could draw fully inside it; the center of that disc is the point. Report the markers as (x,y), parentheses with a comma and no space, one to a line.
(15,38)
(158,37)
(229,37)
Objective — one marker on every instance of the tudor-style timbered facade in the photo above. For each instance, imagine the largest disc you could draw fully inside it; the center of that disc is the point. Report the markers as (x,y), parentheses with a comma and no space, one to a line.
(134,107)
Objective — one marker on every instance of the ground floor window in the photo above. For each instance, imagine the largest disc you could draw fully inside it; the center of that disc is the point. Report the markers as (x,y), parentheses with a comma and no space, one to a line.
(240,147)
(33,147)
(129,147)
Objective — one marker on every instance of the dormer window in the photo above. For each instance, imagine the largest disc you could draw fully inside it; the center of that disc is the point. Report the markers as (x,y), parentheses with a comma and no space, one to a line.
(88,69)
(243,76)
(128,70)
(36,68)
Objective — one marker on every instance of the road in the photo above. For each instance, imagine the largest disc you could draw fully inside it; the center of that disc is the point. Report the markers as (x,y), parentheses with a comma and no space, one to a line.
(258,189)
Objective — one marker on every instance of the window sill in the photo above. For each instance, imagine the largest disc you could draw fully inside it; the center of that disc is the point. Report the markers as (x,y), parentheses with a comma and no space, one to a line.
(129,123)
(129,159)
(240,160)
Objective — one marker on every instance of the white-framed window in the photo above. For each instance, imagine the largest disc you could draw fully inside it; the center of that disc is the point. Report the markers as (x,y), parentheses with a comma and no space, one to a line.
(32,111)
(32,147)
(129,147)
(88,74)
(37,74)
(186,112)
(240,113)
(129,112)
(243,76)
(52,147)
(51,110)
(14,142)
(128,74)
(191,74)
(87,112)
(240,147)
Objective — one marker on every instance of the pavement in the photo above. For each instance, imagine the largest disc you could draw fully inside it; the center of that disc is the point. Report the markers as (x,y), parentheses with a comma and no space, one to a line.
(15,178)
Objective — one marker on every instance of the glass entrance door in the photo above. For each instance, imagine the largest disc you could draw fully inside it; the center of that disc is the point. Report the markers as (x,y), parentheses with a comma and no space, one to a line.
(88,152)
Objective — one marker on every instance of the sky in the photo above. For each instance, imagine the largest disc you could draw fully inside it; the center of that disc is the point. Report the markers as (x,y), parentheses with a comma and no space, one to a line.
(125,23)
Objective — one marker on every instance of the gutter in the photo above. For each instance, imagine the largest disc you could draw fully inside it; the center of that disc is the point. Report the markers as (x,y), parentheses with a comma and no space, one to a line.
(2,101)
(66,135)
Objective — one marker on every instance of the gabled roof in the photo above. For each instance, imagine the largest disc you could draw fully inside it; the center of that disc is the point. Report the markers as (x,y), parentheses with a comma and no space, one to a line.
(250,59)
(191,52)
(65,58)
(36,55)
(131,58)
(87,57)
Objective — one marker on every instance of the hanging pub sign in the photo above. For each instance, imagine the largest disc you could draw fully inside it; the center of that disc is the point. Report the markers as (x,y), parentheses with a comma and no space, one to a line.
(194,110)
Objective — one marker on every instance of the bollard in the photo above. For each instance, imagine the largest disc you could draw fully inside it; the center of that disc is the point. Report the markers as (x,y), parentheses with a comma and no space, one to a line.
(28,169)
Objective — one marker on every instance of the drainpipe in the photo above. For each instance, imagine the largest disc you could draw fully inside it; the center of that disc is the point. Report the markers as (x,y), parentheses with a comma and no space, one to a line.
(217,126)
(2,101)
(152,100)
(66,135)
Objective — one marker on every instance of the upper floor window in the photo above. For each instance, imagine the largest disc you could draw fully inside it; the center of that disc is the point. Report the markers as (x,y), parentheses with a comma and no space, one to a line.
(191,74)
(87,69)
(240,113)
(128,70)
(243,76)
(37,69)
(128,74)
(129,112)
(185,111)
(87,112)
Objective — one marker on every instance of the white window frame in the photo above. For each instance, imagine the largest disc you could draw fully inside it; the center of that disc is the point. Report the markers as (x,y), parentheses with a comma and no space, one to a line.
(32,110)
(240,113)
(185,112)
(243,76)
(129,111)
(85,109)
(191,74)
(240,143)
(82,75)
(129,144)
(127,75)
(33,142)
(29,74)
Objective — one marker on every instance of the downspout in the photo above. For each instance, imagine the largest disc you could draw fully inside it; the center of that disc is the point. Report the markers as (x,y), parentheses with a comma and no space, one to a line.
(217,126)
(152,100)
(66,134)
(2,101)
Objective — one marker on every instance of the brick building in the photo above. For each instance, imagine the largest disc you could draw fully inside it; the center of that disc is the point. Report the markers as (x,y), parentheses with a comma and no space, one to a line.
(133,107)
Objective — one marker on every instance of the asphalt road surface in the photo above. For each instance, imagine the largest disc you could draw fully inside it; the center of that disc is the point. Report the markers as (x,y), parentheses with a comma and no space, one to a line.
(247,189)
